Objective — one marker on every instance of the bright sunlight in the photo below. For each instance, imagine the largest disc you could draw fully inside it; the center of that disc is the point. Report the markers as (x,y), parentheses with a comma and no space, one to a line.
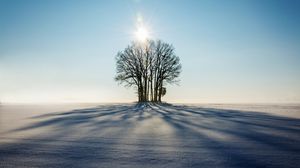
(142,34)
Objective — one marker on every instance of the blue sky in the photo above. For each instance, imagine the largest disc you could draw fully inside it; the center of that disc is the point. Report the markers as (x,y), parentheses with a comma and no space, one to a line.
(231,51)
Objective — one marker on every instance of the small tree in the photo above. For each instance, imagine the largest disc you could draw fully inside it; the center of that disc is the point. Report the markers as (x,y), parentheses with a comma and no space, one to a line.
(148,67)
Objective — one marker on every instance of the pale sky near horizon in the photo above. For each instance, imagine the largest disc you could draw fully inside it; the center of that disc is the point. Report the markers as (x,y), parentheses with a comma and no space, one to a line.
(231,51)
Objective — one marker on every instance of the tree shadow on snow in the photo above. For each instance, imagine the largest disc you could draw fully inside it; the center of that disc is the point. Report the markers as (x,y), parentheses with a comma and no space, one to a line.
(200,137)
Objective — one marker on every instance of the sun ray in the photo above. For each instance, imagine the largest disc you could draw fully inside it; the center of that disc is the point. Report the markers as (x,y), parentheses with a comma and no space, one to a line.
(142,32)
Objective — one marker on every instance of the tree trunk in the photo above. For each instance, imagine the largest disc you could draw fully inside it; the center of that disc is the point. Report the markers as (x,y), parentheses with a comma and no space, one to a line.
(160,91)
(145,89)
(151,89)
(148,97)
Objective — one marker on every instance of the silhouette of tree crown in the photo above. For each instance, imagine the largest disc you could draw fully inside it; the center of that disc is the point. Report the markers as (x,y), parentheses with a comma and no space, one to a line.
(148,67)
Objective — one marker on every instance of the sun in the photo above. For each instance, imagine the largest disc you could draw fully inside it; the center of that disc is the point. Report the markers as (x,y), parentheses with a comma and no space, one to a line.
(141,34)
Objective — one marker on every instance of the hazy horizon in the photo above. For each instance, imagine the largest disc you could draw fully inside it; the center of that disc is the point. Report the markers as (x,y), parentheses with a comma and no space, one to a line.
(55,51)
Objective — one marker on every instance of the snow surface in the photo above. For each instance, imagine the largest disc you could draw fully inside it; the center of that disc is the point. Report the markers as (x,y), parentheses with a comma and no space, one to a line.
(149,135)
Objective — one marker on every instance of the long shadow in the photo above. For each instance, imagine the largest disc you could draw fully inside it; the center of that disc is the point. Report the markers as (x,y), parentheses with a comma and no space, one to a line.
(247,126)
(203,137)
(280,135)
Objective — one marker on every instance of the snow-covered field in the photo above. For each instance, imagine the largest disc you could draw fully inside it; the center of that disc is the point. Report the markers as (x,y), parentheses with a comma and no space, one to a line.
(149,135)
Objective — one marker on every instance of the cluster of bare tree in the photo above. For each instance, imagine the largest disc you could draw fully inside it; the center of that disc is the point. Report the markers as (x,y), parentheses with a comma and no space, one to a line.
(148,67)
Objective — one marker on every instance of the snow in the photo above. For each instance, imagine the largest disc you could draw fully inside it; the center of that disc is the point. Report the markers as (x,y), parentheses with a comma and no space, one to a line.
(150,135)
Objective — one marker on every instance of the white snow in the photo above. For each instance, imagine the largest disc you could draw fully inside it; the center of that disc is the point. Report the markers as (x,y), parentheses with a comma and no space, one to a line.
(150,135)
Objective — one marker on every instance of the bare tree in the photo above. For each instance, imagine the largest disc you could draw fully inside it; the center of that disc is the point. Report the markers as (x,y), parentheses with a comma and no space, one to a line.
(148,67)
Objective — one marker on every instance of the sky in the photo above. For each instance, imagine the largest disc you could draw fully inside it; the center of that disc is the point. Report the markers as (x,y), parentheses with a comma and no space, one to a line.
(231,51)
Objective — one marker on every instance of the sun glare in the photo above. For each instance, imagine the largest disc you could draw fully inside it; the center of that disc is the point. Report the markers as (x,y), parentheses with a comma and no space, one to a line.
(142,34)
